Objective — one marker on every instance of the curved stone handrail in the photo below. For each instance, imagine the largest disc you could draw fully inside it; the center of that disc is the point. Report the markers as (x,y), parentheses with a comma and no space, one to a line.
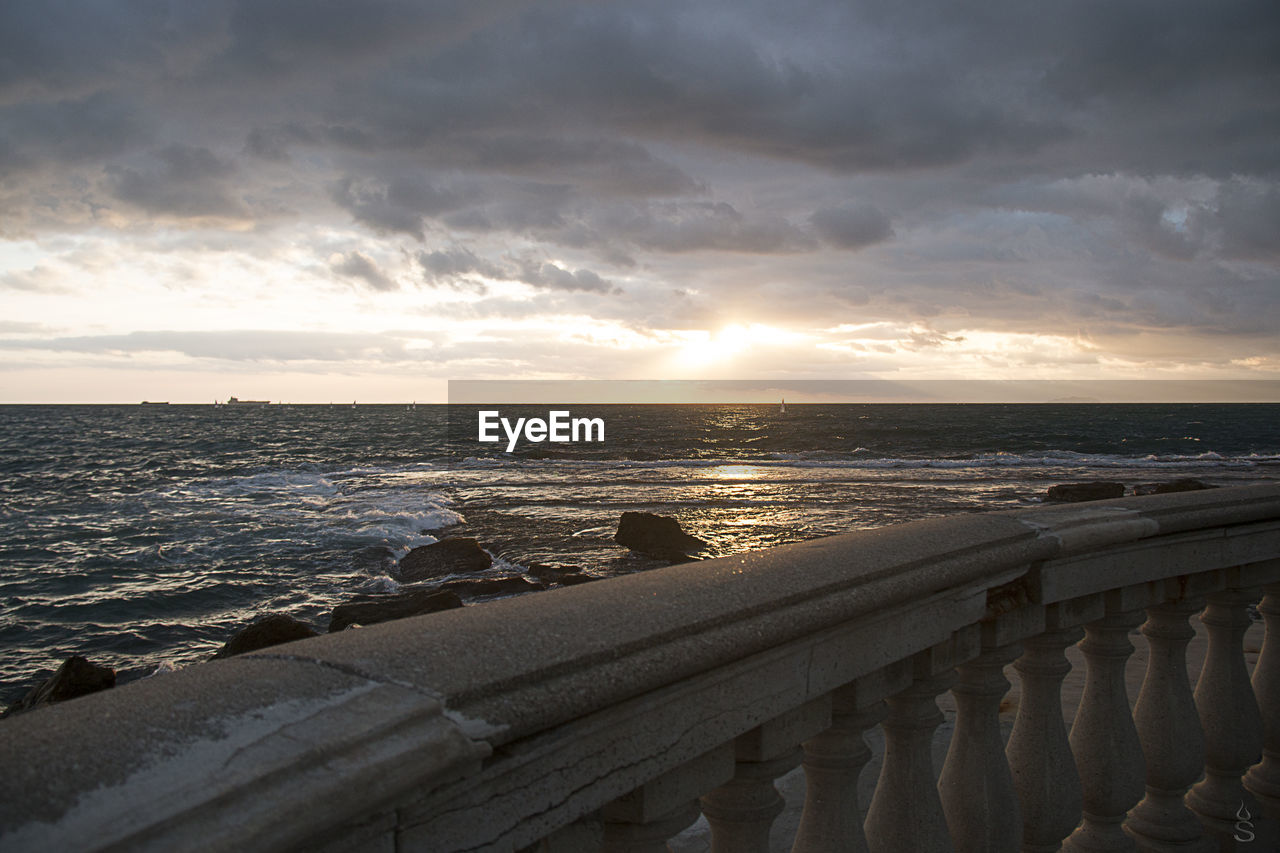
(596,716)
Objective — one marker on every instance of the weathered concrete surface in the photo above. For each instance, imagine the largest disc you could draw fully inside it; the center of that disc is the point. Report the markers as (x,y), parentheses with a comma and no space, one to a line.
(213,756)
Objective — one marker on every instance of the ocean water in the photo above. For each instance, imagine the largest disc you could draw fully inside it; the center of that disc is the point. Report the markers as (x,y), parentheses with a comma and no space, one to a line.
(143,537)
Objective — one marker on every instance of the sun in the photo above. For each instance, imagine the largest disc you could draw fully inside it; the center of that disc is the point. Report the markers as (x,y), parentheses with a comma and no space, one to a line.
(706,348)
(702,348)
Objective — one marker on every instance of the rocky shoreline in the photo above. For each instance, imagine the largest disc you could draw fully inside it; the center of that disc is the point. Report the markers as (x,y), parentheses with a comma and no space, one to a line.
(428,582)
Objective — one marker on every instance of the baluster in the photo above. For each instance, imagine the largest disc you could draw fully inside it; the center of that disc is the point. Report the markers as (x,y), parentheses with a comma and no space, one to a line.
(1039,753)
(1103,738)
(1229,714)
(976,785)
(906,813)
(741,812)
(1169,729)
(833,761)
(1263,780)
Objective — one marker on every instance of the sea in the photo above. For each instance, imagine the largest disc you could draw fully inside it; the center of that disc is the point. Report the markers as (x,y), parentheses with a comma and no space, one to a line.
(143,537)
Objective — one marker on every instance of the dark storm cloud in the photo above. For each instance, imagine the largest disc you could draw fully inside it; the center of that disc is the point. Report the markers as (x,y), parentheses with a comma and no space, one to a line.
(861,86)
(187,181)
(65,49)
(297,36)
(845,90)
(852,227)
(691,226)
(1246,218)
(607,166)
(67,132)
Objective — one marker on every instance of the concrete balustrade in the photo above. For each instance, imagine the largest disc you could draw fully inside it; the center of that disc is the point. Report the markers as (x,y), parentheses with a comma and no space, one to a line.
(609,716)
(1229,714)
(1263,779)
(1104,739)
(1169,728)
(1046,779)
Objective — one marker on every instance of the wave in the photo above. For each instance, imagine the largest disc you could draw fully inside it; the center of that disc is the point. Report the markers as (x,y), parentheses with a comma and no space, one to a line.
(352,507)
(856,460)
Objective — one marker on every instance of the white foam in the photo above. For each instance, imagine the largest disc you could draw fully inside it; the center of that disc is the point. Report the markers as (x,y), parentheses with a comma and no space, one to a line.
(383,583)
(857,460)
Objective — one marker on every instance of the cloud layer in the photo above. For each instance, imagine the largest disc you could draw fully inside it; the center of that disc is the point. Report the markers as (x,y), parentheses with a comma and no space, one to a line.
(1100,172)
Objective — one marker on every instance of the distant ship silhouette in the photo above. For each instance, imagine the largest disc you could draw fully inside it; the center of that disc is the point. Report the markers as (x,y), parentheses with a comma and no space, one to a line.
(236,401)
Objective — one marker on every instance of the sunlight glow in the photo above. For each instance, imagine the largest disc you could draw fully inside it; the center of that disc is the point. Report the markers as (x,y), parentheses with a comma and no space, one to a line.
(704,348)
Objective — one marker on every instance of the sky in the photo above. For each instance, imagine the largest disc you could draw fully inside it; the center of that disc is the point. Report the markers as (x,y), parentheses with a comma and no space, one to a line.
(315,200)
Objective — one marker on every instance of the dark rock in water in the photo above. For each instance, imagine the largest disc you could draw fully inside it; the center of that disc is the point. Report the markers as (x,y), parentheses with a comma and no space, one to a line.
(374,560)
(373,609)
(1077,492)
(76,677)
(656,536)
(271,630)
(551,572)
(492,586)
(460,554)
(1184,485)
(574,578)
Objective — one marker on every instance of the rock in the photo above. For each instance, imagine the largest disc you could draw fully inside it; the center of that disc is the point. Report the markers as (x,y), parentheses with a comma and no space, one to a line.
(656,536)
(574,578)
(374,560)
(459,554)
(551,572)
(76,677)
(1184,485)
(1076,492)
(492,586)
(271,630)
(384,608)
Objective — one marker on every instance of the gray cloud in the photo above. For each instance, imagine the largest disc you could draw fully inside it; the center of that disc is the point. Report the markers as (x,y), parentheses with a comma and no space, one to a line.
(1105,165)
(401,204)
(852,227)
(190,181)
(67,132)
(360,266)
(1246,217)
(676,227)
(36,279)
(459,266)
(554,277)
(230,345)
